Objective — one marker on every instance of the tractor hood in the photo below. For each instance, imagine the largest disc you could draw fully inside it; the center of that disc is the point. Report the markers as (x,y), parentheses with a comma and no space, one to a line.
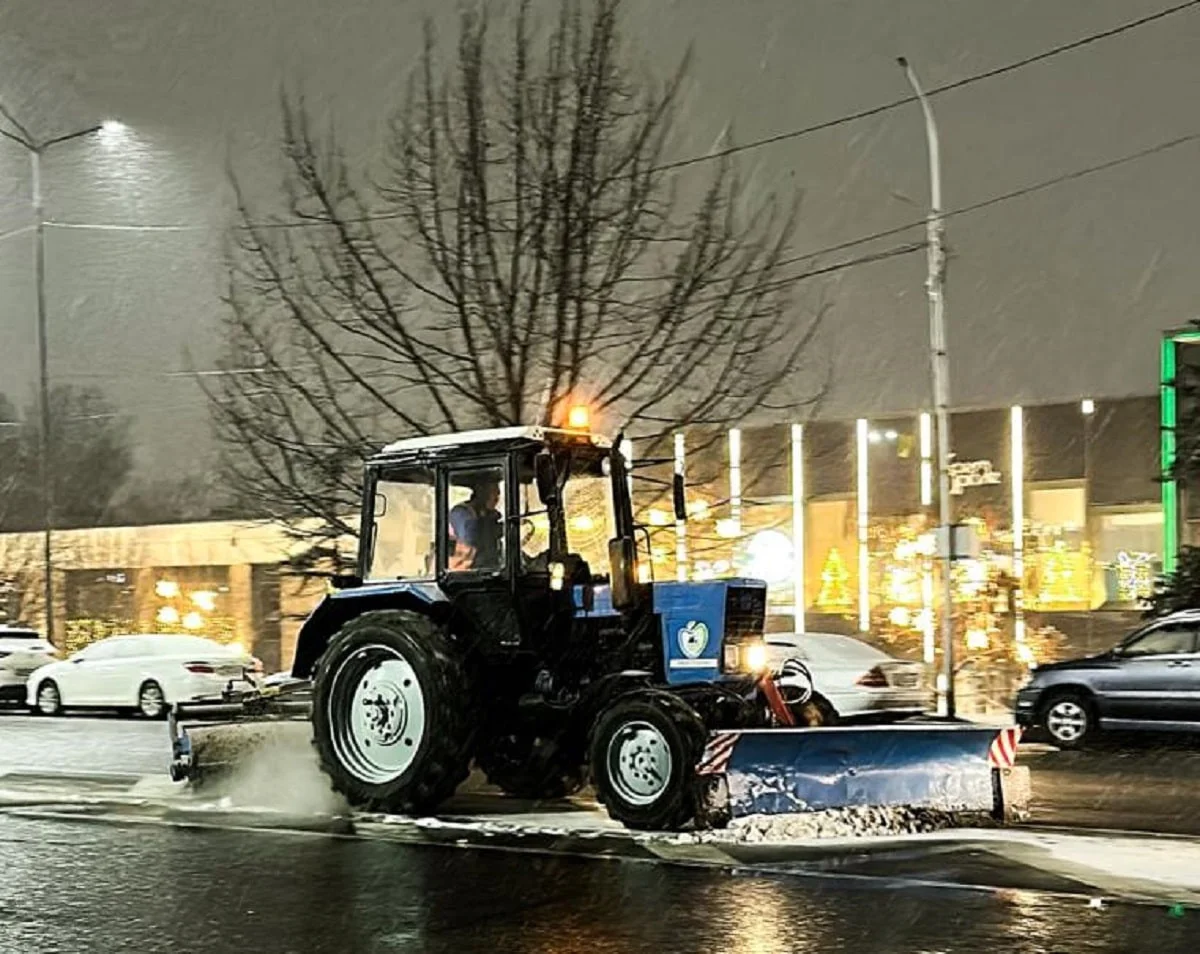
(700,618)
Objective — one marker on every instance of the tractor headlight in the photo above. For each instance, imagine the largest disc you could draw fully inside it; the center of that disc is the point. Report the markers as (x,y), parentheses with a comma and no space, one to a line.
(756,657)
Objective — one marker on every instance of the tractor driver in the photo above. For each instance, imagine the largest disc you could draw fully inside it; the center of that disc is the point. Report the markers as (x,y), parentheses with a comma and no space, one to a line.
(476,529)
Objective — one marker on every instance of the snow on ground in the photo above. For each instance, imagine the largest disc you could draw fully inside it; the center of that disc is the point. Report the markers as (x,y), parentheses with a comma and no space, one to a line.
(837,823)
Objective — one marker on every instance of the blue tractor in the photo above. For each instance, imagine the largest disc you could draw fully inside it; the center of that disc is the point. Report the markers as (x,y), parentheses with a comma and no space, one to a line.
(499,617)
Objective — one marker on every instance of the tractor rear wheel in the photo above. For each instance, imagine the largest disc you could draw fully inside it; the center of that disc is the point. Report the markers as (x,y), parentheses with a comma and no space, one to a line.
(392,712)
(644,750)
(528,767)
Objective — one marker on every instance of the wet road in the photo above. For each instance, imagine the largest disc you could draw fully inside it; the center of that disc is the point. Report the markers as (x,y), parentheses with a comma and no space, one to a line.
(134,882)
(121,746)
(73,886)
(1136,784)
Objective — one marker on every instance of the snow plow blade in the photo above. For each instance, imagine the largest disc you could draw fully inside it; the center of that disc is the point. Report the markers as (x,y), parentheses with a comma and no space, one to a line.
(212,740)
(951,768)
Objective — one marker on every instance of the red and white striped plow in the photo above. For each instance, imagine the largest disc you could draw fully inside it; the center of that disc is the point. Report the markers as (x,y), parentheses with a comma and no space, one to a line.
(1003,751)
(717,751)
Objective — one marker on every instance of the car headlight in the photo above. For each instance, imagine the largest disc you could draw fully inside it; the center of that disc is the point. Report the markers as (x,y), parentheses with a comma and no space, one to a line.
(757,658)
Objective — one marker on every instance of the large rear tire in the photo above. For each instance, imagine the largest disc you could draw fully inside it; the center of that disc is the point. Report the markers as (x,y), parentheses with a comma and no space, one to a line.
(528,767)
(392,713)
(644,750)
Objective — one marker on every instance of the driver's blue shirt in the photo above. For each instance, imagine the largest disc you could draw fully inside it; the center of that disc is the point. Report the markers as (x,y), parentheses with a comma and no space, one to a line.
(464,524)
(478,530)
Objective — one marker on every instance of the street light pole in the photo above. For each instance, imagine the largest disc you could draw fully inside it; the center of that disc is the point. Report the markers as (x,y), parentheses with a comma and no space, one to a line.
(44,470)
(45,476)
(940,367)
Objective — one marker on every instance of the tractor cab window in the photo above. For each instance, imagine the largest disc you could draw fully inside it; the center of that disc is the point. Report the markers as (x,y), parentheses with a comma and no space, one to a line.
(403,541)
(587,508)
(475,521)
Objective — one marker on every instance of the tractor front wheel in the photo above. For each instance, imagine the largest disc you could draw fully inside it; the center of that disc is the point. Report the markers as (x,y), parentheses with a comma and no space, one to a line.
(392,712)
(644,750)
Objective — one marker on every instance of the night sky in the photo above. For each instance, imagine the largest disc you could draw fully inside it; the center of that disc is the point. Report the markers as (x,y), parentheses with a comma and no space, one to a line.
(1054,296)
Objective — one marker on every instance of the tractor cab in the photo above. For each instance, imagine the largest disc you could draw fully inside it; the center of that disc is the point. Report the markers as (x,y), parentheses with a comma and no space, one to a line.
(513,525)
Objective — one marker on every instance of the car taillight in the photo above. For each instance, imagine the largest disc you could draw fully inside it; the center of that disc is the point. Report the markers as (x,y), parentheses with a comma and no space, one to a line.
(873,679)
(200,668)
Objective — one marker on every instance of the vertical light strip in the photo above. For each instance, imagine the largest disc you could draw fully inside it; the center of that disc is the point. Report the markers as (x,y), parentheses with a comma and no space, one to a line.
(798,597)
(627,453)
(864,563)
(1018,520)
(928,628)
(1170,490)
(735,477)
(926,430)
(681,547)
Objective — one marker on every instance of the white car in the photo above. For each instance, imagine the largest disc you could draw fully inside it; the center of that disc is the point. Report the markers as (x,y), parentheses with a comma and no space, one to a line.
(856,679)
(140,673)
(22,651)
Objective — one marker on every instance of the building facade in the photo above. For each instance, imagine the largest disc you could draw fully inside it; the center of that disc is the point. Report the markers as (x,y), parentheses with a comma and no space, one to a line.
(1064,501)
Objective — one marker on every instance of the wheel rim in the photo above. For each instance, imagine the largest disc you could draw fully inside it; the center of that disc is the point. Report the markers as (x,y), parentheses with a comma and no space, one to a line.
(1067,721)
(48,699)
(151,701)
(639,763)
(376,714)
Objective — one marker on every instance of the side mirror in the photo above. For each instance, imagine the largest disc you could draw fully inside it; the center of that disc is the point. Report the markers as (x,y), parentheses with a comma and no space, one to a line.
(345,581)
(547,478)
(679,497)
(622,559)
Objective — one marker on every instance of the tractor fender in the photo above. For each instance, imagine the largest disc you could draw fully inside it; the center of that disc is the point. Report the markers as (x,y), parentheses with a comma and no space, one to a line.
(597,697)
(338,608)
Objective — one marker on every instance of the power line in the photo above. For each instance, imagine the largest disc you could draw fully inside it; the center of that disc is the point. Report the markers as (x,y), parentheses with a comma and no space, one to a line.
(118,227)
(1074,174)
(945,88)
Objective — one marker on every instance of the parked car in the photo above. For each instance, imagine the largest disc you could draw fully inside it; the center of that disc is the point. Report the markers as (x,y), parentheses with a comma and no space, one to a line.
(140,673)
(857,680)
(22,650)
(1150,680)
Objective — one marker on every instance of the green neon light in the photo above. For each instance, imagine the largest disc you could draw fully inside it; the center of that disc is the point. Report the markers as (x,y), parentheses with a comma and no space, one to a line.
(1168,363)
(1170,492)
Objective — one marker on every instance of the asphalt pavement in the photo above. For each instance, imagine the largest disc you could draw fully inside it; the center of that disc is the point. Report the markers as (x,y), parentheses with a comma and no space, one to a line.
(125,877)
(73,744)
(73,886)
(1135,783)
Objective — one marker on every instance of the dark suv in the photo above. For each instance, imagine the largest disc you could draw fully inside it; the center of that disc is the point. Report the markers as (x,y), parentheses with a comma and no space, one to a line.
(1150,681)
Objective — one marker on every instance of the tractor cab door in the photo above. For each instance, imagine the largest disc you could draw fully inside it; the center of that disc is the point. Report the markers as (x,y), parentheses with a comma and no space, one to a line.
(475,550)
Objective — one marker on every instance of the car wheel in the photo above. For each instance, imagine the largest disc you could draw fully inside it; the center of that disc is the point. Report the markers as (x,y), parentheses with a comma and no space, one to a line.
(1069,719)
(48,701)
(816,712)
(152,704)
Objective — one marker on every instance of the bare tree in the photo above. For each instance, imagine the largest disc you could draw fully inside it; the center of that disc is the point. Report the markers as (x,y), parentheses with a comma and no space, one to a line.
(91,457)
(522,244)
